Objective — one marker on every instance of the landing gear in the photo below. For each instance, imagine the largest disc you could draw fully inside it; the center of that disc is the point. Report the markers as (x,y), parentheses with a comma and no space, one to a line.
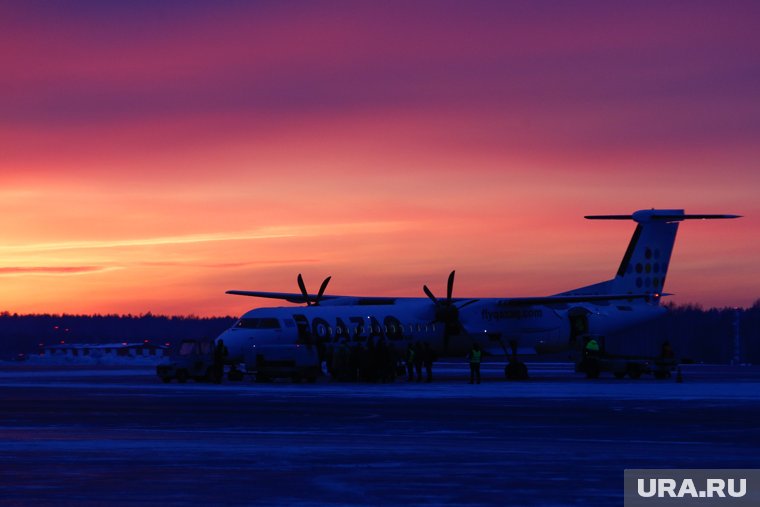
(515,369)
(591,366)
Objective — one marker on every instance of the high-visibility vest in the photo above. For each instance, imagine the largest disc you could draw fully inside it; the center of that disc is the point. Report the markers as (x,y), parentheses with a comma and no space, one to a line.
(475,356)
(592,345)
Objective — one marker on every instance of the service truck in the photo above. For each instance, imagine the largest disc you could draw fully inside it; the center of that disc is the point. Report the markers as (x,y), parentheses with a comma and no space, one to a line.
(594,364)
(194,360)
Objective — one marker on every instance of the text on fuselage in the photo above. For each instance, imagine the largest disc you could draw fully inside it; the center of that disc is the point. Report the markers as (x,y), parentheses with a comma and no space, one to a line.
(511,314)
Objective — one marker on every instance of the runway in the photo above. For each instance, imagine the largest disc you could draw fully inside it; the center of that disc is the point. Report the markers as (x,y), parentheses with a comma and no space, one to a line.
(117,436)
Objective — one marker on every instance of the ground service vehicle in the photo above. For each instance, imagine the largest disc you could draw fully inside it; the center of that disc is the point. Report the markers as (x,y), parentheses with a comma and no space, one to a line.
(620,366)
(194,360)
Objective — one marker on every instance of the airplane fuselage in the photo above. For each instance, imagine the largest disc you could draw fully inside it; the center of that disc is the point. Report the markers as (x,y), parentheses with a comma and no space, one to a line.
(493,323)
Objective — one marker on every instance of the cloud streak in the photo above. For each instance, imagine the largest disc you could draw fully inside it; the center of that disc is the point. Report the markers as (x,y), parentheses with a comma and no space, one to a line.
(260,234)
(54,270)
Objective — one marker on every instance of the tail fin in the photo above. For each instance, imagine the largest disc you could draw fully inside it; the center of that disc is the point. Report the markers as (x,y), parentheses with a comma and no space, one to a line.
(647,258)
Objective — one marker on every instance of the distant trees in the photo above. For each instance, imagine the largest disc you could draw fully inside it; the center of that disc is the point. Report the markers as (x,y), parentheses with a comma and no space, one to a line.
(695,334)
(25,333)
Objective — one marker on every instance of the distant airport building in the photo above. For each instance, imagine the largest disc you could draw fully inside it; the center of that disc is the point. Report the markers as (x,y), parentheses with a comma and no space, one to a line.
(104,351)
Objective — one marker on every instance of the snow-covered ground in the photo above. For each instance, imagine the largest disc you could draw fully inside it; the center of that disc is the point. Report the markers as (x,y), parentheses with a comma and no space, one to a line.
(118,436)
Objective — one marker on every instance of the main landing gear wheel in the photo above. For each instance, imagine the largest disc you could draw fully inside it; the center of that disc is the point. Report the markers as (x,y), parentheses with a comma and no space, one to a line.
(591,367)
(516,370)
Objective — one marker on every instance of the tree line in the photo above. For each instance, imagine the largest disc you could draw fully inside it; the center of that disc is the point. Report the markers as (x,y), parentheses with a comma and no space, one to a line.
(696,334)
(27,333)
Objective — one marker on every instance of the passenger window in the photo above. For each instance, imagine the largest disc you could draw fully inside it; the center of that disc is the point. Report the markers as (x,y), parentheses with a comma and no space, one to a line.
(247,323)
(269,323)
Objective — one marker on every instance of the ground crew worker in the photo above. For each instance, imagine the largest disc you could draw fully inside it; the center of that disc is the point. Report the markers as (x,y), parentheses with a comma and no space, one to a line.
(419,356)
(474,356)
(592,348)
(410,362)
(428,360)
(340,362)
(220,353)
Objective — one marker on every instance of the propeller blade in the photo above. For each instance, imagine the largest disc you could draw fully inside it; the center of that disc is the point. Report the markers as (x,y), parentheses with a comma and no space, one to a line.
(302,286)
(322,289)
(430,295)
(450,287)
(471,301)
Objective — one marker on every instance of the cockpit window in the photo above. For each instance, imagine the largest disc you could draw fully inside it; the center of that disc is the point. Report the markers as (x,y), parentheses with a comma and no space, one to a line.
(258,323)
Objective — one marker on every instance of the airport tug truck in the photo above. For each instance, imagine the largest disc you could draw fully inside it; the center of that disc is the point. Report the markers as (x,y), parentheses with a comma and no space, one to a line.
(294,361)
(634,367)
(194,360)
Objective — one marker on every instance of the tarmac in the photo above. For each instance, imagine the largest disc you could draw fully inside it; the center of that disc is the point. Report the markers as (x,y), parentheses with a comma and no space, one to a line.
(91,436)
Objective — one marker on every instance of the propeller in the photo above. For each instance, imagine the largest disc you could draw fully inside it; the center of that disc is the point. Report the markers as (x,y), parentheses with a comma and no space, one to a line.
(446,311)
(306,296)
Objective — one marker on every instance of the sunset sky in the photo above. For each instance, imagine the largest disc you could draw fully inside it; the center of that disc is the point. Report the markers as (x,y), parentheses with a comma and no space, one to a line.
(156,154)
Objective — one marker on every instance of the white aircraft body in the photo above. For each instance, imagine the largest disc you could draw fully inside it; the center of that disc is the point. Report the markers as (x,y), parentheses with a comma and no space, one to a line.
(503,325)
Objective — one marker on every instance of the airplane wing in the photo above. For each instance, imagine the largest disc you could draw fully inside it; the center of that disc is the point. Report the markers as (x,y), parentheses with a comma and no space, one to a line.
(297,298)
(285,296)
(579,298)
(332,300)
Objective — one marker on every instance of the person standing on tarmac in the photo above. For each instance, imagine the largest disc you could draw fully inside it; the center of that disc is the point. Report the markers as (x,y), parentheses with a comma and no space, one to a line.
(419,355)
(592,347)
(410,362)
(429,357)
(220,353)
(474,356)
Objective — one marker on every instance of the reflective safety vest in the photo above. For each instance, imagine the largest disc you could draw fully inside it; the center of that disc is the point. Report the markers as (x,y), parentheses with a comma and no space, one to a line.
(475,356)
(592,345)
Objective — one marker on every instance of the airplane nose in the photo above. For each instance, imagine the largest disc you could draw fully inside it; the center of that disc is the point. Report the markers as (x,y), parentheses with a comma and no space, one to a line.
(223,337)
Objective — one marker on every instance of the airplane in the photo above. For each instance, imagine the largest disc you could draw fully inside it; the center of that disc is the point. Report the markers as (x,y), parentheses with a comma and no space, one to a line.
(509,326)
